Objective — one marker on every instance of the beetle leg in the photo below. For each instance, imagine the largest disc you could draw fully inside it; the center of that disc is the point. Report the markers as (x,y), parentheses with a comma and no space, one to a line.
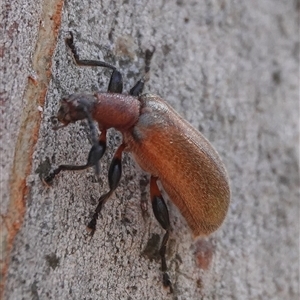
(83,62)
(161,213)
(139,86)
(114,176)
(94,156)
(116,80)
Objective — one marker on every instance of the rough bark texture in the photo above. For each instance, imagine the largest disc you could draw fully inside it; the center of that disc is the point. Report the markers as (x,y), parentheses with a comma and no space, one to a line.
(231,69)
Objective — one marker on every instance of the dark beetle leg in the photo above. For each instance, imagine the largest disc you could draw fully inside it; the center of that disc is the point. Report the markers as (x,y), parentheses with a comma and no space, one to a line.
(114,176)
(92,63)
(116,80)
(94,156)
(139,86)
(162,216)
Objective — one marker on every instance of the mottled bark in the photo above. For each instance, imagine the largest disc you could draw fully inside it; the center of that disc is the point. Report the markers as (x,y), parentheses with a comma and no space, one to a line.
(228,67)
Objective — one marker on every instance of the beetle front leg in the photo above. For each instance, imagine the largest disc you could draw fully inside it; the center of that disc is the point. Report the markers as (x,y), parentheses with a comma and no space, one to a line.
(161,213)
(94,156)
(114,176)
(116,79)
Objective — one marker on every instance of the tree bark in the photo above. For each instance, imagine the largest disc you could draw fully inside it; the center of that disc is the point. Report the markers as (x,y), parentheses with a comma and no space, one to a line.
(231,68)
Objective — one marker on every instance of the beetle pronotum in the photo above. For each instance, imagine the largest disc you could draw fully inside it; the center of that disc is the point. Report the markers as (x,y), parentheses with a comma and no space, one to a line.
(163,144)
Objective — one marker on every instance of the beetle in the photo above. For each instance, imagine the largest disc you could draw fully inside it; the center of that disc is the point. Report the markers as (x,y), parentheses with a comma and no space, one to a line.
(163,144)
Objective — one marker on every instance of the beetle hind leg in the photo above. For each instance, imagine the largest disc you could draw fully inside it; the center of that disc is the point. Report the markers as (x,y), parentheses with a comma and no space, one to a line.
(162,216)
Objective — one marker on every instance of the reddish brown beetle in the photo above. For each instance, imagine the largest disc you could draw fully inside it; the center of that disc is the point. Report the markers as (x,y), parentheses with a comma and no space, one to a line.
(163,144)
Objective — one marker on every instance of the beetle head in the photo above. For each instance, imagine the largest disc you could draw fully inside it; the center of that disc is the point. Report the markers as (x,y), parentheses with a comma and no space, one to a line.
(73,108)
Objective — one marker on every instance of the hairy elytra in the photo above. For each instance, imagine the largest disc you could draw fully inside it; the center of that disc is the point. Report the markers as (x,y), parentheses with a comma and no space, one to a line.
(189,168)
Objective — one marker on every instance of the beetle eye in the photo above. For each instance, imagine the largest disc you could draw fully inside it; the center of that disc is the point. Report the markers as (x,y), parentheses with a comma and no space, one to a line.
(55,123)
(54,120)
(62,116)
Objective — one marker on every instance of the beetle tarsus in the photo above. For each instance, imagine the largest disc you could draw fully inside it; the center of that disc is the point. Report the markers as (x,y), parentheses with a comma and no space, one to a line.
(91,227)
(70,42)
(167,282)
(48,180)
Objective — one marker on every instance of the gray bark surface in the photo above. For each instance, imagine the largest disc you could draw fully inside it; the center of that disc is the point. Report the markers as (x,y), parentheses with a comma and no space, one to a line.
(231,68)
